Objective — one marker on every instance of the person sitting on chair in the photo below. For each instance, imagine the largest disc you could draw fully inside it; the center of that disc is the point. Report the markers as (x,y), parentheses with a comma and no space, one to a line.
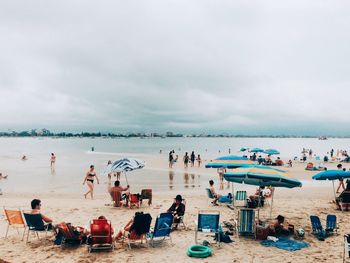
(36,206)
(127,230)
(117,190)
(216,195)
(177,209)
(344,196)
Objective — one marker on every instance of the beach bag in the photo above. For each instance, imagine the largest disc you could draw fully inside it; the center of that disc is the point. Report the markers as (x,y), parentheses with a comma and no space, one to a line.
(223,237)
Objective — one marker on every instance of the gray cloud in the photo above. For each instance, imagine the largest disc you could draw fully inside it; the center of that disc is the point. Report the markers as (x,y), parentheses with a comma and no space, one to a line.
(233,66)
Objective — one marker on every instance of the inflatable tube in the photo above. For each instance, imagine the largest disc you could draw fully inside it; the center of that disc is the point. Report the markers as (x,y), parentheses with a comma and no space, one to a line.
(198,251)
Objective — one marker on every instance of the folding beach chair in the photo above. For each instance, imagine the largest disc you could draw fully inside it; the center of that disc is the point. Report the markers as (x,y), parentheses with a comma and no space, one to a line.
(134,200)
(70,236)
(146,194)
(116,198)
(139,229)
(316,225)
(35,224)
(246,222)
(344,202)
(101,235)
(241,198)
(208,222)
(331,224)
(162,228)
(209,194)
(14,219)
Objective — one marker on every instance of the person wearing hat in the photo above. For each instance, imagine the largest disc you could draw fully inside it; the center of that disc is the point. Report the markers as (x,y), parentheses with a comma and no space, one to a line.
(177,209)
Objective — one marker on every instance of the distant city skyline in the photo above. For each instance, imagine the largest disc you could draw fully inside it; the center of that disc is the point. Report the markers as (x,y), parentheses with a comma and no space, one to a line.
(237,67)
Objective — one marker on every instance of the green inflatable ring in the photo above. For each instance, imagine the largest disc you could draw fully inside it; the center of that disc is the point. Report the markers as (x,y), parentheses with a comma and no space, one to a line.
(199,251)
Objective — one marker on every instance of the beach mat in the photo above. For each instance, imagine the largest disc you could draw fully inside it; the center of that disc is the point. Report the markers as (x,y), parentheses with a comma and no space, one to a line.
(285,244)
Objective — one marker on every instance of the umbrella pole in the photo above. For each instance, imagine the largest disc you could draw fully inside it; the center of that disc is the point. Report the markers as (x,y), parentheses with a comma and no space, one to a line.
(233,195)
(335,196)
(126,178)
(273,192)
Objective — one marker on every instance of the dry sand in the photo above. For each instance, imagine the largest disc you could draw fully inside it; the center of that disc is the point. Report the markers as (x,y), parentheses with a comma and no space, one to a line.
(295,204)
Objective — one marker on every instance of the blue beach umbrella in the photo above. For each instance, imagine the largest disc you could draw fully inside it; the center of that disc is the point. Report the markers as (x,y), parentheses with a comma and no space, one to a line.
(332,175)
(257,150)
(271,152)
(230,161)
(243,149)
(262,176)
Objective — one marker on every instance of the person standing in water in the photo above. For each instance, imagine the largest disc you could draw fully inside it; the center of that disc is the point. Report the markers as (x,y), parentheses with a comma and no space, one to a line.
(199,160)
(53,161)
(193,158)
(89,179)
(186,159)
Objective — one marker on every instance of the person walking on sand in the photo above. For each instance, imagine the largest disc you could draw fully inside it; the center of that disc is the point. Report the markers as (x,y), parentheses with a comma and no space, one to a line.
(89,179)
(53,160)
(186,160)
(193,158)
(341,180)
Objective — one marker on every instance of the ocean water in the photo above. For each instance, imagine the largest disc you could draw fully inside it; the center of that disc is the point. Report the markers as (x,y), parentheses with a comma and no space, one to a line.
(74,157)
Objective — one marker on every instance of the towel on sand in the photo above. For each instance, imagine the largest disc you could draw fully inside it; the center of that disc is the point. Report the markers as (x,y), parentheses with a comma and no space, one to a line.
(286,244)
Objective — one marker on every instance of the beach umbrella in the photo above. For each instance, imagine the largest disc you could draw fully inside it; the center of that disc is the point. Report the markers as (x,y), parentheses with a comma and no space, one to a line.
(126,165)
(257,150)
(332,175)
(262,176)
(271,152)
(230,161)
(243,149)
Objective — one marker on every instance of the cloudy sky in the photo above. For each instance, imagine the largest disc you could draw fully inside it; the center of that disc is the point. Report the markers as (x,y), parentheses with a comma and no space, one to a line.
(254,67)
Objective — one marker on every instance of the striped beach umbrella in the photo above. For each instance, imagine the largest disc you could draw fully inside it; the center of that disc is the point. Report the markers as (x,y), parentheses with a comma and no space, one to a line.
(230,161)
(125,165)
(262,176)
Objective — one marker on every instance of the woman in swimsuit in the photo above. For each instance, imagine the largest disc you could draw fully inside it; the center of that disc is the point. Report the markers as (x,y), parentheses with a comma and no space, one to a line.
(89,179)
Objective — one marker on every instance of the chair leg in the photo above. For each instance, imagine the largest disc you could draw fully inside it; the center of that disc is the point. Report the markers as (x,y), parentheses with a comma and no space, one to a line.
(24,232)
(37,234)
(7,230)
(27,235)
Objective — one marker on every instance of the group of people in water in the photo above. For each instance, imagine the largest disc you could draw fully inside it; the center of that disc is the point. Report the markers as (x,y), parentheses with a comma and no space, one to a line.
(187,159)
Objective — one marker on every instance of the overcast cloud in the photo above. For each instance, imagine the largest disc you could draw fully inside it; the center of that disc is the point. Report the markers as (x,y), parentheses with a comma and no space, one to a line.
(214,66)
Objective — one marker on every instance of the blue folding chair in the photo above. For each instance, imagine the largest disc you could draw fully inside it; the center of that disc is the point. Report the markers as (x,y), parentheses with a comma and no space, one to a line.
(208,222)
(246,221)
(162,228)
(331,224)
(36,224)
(241,198)
(316,225)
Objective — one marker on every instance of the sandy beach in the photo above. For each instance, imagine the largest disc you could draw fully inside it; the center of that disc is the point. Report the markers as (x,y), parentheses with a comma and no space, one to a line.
(314,198)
